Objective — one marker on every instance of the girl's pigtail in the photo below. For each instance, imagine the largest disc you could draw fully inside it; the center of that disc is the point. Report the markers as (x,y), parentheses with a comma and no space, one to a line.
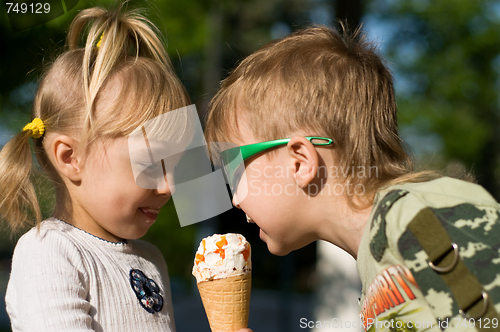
(19,203)
(120,35)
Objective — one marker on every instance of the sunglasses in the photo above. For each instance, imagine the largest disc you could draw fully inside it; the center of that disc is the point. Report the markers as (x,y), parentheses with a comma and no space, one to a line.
(233,159)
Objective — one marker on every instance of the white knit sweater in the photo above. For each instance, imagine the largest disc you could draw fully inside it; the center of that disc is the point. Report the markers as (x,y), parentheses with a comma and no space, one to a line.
(64,279)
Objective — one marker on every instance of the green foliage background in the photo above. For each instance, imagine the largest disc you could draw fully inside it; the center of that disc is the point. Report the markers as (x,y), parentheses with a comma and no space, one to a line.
(449,54)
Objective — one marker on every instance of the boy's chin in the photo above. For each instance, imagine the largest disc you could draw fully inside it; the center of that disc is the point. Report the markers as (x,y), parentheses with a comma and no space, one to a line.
(283,249)
(276,249)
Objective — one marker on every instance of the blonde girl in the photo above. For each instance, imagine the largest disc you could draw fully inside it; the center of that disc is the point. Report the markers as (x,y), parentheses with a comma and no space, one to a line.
(84,269)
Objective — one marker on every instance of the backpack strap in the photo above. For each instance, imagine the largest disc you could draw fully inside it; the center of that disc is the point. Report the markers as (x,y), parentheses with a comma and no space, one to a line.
(444,259)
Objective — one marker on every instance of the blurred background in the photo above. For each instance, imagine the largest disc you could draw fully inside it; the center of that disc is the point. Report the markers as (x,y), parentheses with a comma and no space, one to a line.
(445,56)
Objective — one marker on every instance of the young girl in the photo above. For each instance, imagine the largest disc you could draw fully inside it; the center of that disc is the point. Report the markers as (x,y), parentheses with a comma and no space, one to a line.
(83,269)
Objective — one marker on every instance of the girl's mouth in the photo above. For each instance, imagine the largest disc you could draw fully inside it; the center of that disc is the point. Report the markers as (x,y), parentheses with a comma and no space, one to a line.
(150,212)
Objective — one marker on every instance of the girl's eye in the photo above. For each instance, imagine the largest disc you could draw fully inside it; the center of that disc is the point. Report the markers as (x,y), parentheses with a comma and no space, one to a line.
(148,165)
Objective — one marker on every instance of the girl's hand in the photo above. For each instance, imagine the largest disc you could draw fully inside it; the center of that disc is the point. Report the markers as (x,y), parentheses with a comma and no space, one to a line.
(244,330)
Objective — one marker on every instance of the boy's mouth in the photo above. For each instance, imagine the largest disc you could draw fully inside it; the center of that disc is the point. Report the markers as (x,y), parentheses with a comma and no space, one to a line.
(249,220)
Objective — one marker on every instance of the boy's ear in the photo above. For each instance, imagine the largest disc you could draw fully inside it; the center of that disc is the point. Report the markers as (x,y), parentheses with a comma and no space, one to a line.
(63,149)
(305,160)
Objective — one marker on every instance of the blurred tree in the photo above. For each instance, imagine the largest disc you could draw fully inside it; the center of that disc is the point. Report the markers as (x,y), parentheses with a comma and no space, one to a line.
(447,59)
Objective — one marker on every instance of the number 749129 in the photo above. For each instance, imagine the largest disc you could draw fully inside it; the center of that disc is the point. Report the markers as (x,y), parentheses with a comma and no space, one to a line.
(481,323)
(32,8)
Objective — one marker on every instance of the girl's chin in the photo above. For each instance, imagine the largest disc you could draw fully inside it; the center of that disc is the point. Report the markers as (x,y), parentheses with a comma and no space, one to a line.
(137,234)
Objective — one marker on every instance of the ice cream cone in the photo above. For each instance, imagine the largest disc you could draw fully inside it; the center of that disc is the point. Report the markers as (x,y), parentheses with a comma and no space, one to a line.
(227,302)
(223,271)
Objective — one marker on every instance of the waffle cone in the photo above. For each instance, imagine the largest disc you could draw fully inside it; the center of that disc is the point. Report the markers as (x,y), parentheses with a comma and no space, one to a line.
(227,302)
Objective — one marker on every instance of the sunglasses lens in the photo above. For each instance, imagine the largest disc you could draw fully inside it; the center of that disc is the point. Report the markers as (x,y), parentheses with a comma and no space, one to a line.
(237,177)
(232,164)
(229,157)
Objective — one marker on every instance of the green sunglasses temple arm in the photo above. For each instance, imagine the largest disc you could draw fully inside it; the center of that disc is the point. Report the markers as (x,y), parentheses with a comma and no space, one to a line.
(252,149)
(326,141)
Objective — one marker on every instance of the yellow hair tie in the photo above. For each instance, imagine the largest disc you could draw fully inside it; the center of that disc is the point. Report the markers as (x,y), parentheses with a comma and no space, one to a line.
(37,128)
(100,39)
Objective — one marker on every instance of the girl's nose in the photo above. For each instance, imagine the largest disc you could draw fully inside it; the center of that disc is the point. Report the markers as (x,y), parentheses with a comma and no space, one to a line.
(163,189)
(167,187)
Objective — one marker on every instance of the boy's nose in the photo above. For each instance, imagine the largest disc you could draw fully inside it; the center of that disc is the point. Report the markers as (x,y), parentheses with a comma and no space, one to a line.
(235,202)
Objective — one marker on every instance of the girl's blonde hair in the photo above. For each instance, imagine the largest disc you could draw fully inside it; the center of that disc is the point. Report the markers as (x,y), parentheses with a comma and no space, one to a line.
(70,94)
(324,83)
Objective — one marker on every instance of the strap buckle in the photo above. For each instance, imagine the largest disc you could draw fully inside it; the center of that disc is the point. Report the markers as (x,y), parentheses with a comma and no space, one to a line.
(484,296)
(449,267)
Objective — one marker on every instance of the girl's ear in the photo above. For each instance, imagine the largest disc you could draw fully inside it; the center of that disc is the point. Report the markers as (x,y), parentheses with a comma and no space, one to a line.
(63,150)
(305,160)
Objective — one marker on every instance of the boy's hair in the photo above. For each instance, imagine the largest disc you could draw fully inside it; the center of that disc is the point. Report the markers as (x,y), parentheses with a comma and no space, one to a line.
(74,98)
(324,84)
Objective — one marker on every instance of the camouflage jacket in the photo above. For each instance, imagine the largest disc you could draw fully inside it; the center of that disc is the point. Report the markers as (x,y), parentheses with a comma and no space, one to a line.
(401,292)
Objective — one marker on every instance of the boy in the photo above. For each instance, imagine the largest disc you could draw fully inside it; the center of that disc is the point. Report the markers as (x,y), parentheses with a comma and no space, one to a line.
(315,119)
